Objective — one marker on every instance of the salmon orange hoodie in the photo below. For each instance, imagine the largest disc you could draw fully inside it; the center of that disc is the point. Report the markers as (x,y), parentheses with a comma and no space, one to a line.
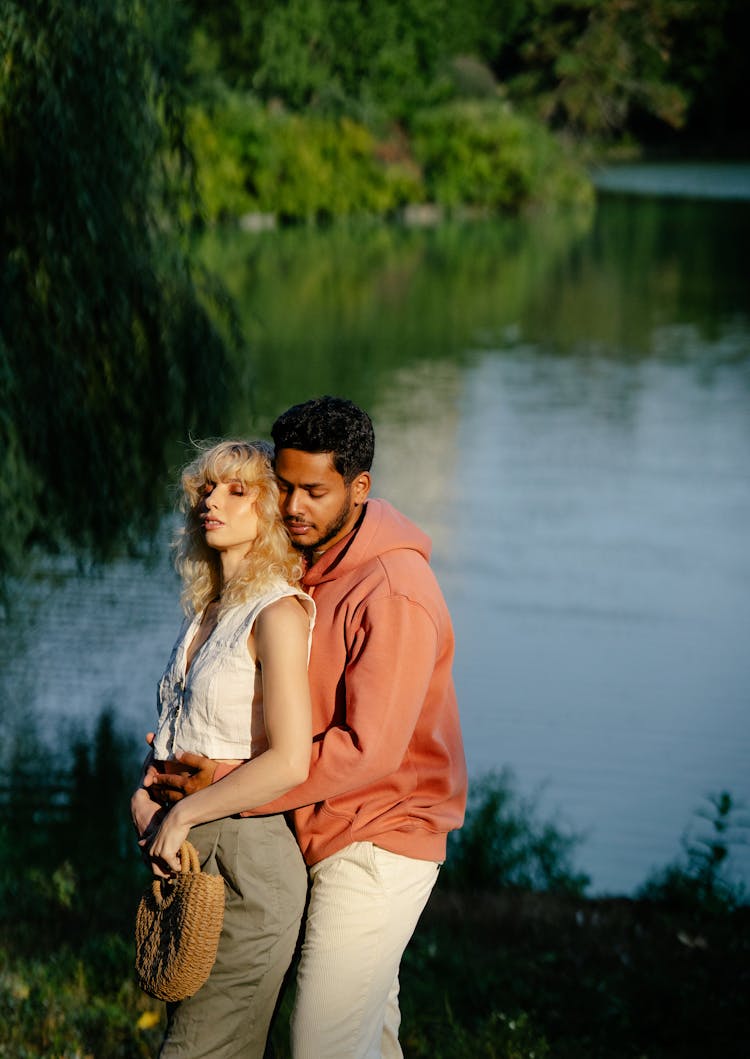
(388,763)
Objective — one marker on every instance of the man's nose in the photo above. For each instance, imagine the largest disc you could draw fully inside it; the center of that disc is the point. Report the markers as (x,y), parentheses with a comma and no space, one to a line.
(290,502)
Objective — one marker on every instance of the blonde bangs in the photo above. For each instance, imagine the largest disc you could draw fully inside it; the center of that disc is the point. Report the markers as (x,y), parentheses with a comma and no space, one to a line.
(226,461)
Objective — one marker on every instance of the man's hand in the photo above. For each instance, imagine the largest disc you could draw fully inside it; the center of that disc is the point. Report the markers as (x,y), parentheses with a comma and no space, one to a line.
(169,787)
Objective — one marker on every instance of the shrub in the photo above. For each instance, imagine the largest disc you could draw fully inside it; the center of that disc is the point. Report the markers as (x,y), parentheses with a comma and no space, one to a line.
(308,167)
(485,154)
(503,844)
(222,140)
(69,883)
(700,880)
(299,167)
(70,867)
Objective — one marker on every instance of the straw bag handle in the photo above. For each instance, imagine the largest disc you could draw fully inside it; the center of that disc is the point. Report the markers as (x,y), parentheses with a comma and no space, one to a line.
(188,863)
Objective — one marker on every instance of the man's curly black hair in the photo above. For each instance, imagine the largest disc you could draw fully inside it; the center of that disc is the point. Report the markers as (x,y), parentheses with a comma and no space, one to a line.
(329,424)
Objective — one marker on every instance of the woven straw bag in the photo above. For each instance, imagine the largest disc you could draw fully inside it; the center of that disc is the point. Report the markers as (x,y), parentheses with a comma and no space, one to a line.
(177,928)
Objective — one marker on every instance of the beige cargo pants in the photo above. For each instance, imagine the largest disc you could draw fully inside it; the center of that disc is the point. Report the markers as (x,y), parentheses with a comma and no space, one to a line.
(266,886)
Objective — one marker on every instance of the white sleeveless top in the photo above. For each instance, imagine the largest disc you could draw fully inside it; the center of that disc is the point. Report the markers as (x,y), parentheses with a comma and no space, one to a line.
(216,708)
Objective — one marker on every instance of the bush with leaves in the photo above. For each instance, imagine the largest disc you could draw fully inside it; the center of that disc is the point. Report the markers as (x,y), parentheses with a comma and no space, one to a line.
(589,65)
(505,845)
(700,880)
(310,167)
(485,154)
(385,59)
(298,167)
(68,859)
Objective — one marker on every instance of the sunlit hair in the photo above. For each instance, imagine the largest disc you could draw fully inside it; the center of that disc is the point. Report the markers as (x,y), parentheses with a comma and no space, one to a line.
(329,424)
(270,556)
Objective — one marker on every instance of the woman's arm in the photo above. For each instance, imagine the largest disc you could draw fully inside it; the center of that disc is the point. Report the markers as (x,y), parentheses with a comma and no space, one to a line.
(281,636)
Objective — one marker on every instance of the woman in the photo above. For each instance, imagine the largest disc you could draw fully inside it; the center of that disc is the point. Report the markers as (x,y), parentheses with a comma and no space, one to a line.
(235,689)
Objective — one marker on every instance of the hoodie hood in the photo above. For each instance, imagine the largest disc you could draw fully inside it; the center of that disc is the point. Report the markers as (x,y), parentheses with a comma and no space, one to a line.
(382,529)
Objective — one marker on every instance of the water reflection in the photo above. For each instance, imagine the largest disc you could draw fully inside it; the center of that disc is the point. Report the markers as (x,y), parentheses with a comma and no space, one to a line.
(565,410)
(340,311)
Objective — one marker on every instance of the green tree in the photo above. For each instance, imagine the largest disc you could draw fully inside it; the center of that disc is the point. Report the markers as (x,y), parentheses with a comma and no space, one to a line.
(709,62)
(388,56)
(106,347)
(598,68)
(589,65)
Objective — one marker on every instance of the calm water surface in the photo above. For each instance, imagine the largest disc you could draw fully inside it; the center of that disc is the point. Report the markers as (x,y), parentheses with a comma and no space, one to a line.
(564,406)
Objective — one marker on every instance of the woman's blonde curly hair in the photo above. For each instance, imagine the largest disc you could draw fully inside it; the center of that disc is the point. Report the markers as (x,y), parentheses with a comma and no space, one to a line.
(271,555)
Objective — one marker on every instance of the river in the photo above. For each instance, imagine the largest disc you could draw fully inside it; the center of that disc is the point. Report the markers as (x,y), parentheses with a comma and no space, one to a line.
(563,404)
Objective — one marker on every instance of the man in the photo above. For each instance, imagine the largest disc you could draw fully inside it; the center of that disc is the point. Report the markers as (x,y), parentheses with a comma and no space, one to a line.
(387,778)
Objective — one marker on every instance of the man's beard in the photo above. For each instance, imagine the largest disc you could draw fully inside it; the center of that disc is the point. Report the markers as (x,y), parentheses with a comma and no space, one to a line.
(331,530)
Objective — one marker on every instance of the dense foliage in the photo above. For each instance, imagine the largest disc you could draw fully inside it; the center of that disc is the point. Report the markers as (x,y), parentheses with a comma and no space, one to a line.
(589,64)
(311,167)
(101,313)
(595,67)
(298,167)
(339,56)
(315,110)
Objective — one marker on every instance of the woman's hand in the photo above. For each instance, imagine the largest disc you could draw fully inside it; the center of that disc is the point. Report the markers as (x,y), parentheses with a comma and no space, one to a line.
(143,812)
(164,851)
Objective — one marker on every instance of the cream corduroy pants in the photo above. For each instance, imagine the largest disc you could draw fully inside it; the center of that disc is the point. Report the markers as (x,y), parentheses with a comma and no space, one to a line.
(364,906)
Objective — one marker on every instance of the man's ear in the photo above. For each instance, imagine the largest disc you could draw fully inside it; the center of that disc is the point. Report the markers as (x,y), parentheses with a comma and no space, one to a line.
(361,488)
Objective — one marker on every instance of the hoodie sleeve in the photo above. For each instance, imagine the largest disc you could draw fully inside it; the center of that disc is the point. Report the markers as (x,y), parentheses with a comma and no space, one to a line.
(391,663)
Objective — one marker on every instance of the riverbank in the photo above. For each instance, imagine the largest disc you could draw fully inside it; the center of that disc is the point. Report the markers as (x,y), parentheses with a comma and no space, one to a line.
(523,974)
(507,976)
(496,968)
